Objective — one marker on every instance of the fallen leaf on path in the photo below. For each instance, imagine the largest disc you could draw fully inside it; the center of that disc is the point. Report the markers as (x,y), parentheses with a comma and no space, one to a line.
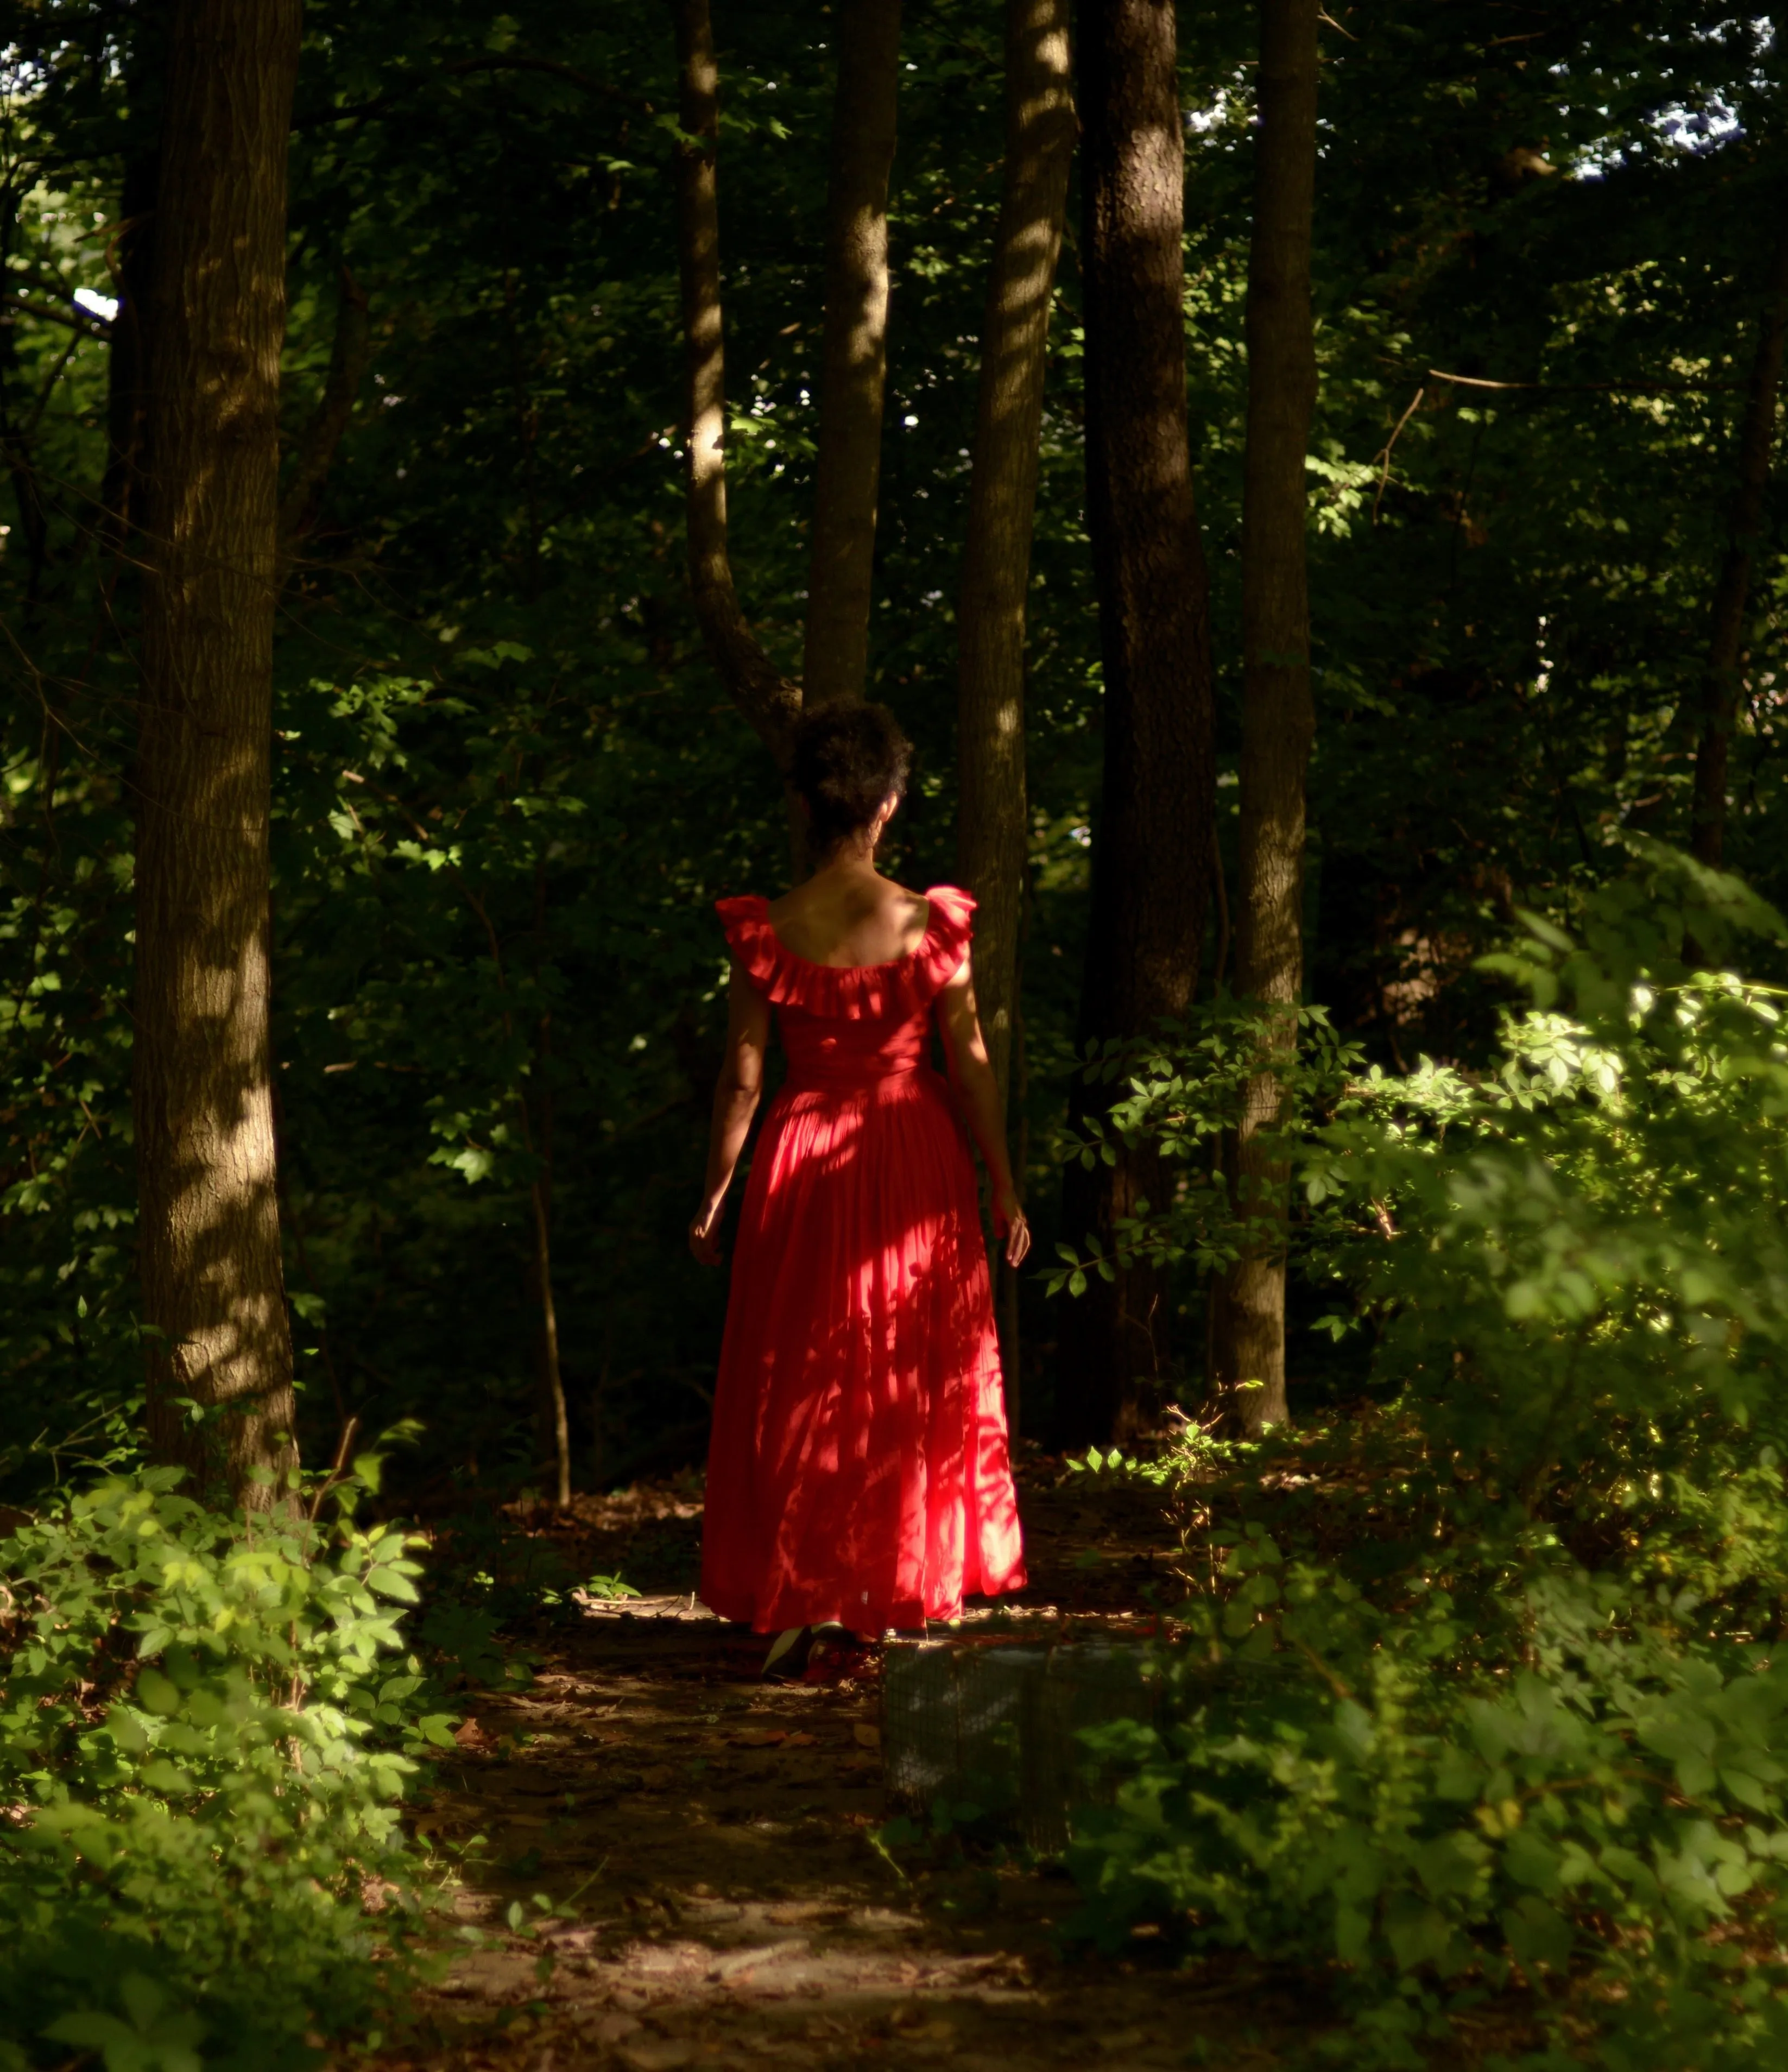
(866,1736)
(801,1740)
(617,2028)
(655,2054)
(745,1960)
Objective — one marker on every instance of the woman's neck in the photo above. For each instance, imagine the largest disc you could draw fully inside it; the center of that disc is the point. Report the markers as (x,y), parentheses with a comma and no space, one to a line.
(846,864)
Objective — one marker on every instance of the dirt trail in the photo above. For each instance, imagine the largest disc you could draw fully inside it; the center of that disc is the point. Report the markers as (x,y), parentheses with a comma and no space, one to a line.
(715,1836)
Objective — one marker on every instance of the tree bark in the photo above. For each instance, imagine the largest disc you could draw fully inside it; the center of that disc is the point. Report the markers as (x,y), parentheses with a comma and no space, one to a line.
(1152,834)
(1278,715)
(552,1379)
(540,1140)
(16,422)
(992,813)
(992,828)
(132,256)
(854,357)
(1731,594)
(765,698)
(213,1289)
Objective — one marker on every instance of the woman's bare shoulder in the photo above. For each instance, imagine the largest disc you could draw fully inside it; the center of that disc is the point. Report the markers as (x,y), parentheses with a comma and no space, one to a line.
(914,905)
(906,914)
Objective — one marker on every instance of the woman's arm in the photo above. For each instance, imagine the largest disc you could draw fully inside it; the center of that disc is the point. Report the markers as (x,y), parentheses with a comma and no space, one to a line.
(736,1093)
(972,1073)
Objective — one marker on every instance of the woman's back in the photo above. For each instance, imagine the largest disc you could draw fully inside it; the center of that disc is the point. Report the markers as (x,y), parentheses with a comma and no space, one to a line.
(847,923)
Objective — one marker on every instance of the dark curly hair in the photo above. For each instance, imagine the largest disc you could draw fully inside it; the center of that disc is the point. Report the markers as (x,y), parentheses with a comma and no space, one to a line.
(847,759)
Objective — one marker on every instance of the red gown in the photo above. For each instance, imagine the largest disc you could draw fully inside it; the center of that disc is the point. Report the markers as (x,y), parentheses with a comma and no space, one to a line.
(858,1471)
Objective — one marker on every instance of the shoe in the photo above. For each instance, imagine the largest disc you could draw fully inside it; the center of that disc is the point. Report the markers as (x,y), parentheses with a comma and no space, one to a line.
(788,1654)
(838,1654)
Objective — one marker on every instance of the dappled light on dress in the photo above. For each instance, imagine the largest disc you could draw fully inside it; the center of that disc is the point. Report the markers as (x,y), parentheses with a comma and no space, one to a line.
(859,1470)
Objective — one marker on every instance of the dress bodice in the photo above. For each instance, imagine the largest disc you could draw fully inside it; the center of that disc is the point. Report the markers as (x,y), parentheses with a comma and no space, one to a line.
(851,1025)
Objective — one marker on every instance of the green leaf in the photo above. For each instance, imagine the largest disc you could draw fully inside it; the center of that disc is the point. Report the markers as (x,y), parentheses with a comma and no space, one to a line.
(158,1692)
(1417,1932)
(388,1582)
(1531,1861)
(1539,1935)
(1353,1932)
(91,2030)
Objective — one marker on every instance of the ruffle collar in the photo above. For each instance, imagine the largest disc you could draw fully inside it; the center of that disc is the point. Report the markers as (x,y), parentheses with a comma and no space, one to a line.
(850,992)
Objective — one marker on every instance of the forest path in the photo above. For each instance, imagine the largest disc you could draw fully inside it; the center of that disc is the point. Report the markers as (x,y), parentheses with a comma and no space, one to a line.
(714,1835)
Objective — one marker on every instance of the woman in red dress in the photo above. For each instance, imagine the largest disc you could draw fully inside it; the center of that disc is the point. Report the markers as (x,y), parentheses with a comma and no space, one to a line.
(858,1475)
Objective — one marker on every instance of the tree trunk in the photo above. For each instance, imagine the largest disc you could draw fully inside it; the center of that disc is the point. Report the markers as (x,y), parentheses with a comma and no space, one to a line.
(16,415)
(1719,692)
(350,355)
(1002,495)
(1006,1277)
(855,354)
(1278,716)
(766,698)
(552,1377)
(213,1291)
(132,257)
(993,816)
(1152,836)
(130,260)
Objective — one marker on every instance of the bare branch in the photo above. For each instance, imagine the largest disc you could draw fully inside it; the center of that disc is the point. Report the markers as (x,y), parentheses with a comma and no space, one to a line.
(1586,388)
(89,323)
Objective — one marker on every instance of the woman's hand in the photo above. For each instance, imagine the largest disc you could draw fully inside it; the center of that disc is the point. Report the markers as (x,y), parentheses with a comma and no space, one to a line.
(735,1094)
(978,1091)
(703,1234)
(1008,1223)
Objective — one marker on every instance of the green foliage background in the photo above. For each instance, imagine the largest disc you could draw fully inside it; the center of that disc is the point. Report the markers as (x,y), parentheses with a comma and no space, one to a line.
(507,784)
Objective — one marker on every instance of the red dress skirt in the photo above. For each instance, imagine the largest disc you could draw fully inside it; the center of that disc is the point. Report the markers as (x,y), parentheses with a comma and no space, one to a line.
(859,1470)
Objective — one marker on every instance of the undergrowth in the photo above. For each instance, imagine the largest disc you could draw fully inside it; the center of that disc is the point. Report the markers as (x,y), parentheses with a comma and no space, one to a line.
(207,1724)
(1477,1710)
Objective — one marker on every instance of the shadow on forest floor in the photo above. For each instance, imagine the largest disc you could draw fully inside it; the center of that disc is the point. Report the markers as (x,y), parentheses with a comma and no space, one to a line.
(714,1835)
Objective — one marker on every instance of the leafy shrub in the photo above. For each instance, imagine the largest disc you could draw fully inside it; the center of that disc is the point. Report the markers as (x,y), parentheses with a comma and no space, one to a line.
(1182,1087)
(1509,1716)
(1573,1800)
(1598,1230)
(206,1726)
